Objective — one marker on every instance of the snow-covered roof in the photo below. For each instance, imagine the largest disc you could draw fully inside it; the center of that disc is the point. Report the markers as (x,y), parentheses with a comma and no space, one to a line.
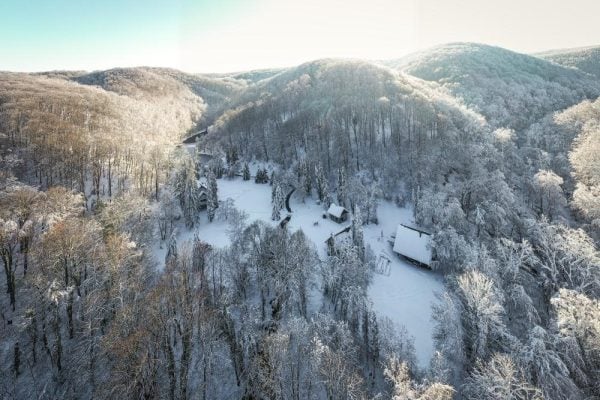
(336,210)
(413,244)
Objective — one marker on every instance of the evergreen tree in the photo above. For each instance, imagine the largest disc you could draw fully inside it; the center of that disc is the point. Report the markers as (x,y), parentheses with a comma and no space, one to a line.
(276,215)
(172,249)
(187,192)
(357,233)
(217,167)
(262,176)
(321,183)
(231,156)
(278,202)
(305,177)
(213,198)
(257,177)
(342,187)
(280,197)
(232,171)
(246,172)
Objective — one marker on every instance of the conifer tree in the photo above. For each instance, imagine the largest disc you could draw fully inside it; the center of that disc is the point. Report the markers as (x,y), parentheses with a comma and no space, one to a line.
(342,187)
(213,199)
(172,249)
(278,202)
(188,192)
(246,172)
(321,183)
(357,233)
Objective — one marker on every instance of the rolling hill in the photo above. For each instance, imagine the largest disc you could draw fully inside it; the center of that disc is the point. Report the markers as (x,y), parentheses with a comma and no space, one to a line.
(352,114)
(510,89)
(586,59)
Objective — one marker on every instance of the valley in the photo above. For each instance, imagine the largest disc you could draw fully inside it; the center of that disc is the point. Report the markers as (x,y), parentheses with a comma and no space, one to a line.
(143,260)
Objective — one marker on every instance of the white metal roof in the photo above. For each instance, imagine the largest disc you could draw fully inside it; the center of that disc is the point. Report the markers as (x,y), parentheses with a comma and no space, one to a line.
(413,244)
(336,210)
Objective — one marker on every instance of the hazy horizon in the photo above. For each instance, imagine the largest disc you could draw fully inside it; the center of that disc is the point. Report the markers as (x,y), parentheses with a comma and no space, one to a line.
(237,35)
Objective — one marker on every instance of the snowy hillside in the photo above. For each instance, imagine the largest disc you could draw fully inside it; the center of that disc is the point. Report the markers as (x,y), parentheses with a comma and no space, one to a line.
(586,59)
(510,89)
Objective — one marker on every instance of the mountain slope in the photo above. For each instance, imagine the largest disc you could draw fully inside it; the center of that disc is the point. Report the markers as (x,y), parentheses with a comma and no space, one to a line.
(173,88)
(73,132)
(354,115)
(510,89)
(216,91)
(586,59)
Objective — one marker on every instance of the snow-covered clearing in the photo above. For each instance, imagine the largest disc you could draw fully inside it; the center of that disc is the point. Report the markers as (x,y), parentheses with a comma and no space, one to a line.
(404,295)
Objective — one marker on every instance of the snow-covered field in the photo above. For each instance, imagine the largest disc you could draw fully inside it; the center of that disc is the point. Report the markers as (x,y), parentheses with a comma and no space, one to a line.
(404,296)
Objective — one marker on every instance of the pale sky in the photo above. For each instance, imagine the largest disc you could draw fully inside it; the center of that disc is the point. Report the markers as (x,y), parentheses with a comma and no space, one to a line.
(235,35)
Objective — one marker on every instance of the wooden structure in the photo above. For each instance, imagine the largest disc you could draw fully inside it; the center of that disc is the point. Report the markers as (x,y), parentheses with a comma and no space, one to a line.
(203,197)
(331,240)
(194,137)
(413,244)
(337,213)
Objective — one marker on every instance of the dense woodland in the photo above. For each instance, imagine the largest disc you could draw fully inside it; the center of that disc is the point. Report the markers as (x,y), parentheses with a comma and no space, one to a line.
(496,152)
(584,58)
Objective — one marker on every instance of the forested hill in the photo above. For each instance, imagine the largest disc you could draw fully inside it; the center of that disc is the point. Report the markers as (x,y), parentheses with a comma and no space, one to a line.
(152,84)
(586,59)
(351,114)
(69,132)
(111,288)
(68,121)
(510,89)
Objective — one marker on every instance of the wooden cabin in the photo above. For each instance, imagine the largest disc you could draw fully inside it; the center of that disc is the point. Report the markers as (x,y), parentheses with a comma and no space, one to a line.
(193,138)
(337,213)
(413,244)
(203,196)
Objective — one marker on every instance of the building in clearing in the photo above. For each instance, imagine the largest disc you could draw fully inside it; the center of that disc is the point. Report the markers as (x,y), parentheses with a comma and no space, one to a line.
(203,196)
(193,138)
(337,213)
(413,244)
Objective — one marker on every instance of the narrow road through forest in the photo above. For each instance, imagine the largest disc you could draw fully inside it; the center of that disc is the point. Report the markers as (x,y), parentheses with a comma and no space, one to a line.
(287,199)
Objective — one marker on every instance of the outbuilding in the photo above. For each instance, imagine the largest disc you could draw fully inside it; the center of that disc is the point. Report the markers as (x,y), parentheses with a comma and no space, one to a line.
(337,213)
(203,196)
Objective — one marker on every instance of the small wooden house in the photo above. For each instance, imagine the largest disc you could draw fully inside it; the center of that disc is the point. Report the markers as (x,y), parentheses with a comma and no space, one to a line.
(413,244)
(337,213)
(203,200)
(193,138)
(203,197)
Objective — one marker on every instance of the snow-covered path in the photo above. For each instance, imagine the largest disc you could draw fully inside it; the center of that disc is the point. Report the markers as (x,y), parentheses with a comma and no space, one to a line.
(404,296)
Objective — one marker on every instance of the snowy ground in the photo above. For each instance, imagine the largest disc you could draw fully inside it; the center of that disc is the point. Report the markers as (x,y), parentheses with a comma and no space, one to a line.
(404,294)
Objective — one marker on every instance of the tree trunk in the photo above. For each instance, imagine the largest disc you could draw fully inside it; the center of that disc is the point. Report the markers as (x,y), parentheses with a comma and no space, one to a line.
(7,259)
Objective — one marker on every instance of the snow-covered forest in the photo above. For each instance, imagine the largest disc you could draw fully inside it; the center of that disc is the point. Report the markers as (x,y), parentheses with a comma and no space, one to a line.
(265,257)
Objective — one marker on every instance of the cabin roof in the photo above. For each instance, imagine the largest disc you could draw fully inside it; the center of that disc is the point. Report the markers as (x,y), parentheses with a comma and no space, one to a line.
(336,211)
(194,136)
(413,243)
